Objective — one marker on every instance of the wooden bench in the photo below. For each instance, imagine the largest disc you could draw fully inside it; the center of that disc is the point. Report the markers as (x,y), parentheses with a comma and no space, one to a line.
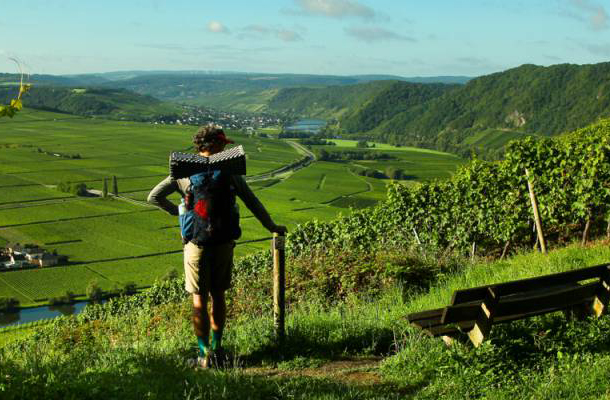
(473,311)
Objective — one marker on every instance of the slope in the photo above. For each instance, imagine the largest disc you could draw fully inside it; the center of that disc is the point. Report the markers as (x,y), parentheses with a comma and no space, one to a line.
(113,103)
(525,100)
(360,107)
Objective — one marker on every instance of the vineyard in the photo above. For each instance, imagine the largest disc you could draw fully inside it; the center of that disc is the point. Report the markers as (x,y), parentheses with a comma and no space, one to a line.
(486,205)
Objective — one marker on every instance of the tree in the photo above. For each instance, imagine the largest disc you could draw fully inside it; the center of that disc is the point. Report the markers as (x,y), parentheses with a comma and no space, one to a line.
(362,144)
(94,292)
(128,289)
(8,303)
(79,189)
(170,275)
(105,188)
(115,187)
(323,155)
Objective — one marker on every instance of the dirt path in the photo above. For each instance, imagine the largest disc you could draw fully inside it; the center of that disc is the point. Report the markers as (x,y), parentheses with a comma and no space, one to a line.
(355,370)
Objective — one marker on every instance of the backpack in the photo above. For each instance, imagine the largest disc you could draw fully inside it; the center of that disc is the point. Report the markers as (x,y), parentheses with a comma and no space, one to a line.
(211,216)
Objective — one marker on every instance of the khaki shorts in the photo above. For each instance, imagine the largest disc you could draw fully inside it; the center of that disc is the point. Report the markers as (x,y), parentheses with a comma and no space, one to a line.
(207,268)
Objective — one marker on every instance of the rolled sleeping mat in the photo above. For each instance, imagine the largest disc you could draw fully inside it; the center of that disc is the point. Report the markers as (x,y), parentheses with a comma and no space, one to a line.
(232,161)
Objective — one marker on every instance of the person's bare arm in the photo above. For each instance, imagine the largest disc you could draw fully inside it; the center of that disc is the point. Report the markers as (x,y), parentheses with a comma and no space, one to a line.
(255,206)
(158,196)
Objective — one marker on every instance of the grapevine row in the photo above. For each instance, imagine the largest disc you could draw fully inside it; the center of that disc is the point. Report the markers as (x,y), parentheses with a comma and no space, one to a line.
(486,203)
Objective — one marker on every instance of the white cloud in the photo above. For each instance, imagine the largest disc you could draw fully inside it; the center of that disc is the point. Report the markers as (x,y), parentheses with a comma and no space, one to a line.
(374,34)
(591,12)
(285,35)
(217,27)
(333,8)
(598,49)
(288,36)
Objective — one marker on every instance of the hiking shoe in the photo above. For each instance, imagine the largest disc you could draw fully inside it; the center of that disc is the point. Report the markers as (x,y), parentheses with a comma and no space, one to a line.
(200,362)
(213,359)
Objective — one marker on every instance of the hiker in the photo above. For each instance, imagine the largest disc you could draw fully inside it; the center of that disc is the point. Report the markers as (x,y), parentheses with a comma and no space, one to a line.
(207,268)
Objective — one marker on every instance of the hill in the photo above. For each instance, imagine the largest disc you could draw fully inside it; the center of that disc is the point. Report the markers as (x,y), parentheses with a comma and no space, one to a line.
(488,111)
(113,103)
(525,100)
(233,91)
(360,107)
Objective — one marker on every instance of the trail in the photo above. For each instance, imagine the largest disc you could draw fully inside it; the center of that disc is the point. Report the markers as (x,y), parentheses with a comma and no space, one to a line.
(361,371)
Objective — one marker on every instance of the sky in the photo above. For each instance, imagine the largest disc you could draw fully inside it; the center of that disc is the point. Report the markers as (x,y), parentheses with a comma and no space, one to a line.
(339,37)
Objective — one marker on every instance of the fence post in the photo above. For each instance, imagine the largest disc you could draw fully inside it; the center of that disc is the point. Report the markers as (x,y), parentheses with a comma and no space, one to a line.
(279,285)
(530,187)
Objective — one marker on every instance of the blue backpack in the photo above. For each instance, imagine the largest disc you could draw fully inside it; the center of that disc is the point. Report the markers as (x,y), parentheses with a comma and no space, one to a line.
(211,216)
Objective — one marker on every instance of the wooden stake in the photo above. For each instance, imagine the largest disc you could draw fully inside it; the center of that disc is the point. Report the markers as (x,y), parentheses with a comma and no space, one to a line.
(416,237)
(506,246)
(279,285)
(585,232)
(530,187)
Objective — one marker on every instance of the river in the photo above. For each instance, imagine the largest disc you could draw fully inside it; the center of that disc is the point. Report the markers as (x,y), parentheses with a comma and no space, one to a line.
(33,314)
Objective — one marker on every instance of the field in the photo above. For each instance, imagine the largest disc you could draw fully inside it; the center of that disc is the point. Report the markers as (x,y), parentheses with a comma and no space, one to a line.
(417,164)
(115,241)
(494,138)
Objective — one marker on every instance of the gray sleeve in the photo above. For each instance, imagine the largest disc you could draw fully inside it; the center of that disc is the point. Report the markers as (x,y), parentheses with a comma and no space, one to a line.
(158,196)
(252,202)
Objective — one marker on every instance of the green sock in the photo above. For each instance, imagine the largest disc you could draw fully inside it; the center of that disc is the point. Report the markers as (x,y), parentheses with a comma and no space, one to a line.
(216,340)
(204,345)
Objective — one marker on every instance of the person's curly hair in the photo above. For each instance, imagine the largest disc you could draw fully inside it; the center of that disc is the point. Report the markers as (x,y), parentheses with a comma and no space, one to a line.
(207,136)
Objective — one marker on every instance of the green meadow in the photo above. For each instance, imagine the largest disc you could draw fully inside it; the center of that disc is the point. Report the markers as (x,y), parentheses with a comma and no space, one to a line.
(114,241)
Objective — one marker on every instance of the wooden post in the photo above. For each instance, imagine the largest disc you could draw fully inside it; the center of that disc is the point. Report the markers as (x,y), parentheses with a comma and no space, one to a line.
(482,325)
(530,187)
(279,285)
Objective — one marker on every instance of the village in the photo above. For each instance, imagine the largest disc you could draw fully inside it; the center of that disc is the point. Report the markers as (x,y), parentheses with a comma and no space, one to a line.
(16,256)
(196,115)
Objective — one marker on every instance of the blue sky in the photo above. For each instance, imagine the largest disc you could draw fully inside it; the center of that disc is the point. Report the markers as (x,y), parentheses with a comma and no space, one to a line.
(343,37)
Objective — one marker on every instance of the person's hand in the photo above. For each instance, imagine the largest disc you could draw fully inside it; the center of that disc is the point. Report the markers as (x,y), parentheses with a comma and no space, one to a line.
(281,229)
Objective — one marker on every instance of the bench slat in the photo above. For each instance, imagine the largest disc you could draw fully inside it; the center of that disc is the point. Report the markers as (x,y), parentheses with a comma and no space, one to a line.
(465,326)
(523,285)
(413,317)
(557,300)
(449,330)
(528,303)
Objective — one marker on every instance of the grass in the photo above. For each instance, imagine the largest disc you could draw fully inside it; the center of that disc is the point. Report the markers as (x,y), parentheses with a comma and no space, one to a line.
(120,353)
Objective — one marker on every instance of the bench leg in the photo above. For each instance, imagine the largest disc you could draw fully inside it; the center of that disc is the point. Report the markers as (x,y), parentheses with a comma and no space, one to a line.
(600,303)
(482,326)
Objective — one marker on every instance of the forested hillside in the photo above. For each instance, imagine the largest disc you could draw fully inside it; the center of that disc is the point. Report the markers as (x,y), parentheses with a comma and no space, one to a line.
(114,103)
(527,99)
(359,107)
(487,112)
